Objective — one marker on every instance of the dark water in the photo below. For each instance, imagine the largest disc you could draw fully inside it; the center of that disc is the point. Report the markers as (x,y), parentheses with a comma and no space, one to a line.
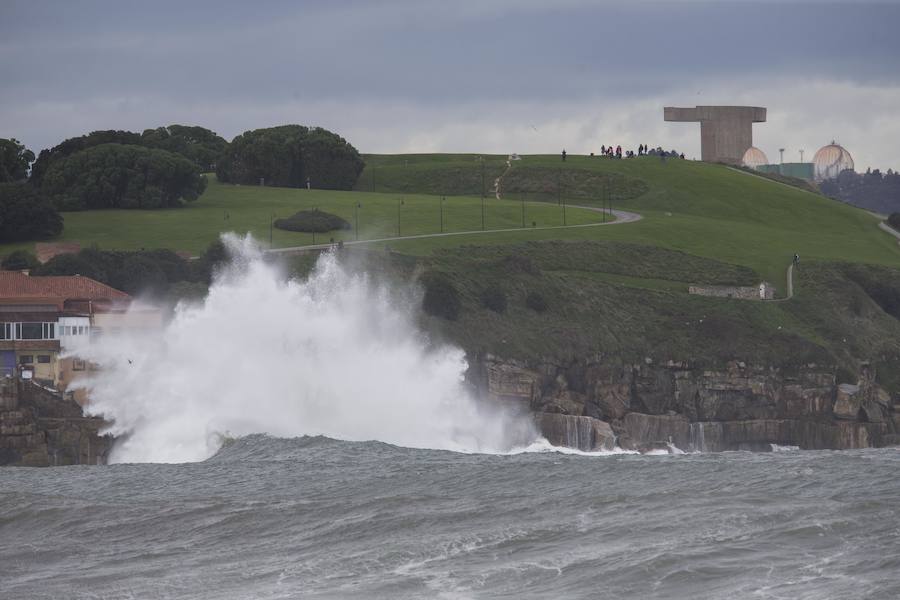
(316,518)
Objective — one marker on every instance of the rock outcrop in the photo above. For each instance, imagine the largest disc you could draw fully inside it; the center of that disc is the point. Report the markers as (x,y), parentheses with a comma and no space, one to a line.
(40,427)
(739,407)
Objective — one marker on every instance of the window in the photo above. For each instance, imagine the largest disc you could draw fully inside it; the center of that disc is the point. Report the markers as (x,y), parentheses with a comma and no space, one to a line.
(26,359)
(6,331)
(35,331)
(44,359)
(77,364)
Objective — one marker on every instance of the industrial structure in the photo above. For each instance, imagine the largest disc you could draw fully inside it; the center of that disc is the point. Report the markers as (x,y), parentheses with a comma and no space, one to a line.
(828,162)
(726,132)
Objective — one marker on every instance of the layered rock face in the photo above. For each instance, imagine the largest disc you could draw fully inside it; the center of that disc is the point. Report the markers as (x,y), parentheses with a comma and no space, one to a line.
(40,428)
(740,407)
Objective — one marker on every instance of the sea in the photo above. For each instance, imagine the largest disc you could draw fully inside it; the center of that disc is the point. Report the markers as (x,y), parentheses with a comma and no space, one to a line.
(289,438)
(314,517)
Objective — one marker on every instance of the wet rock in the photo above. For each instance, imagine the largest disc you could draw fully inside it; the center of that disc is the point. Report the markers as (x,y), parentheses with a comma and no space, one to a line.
(583,433)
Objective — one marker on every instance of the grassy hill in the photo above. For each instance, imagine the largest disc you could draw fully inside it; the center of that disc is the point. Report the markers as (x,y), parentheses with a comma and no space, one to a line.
(618,289)
(252,209)
(699,208)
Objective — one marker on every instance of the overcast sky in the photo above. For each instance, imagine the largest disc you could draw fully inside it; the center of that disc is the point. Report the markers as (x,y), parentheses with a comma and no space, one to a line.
(483,76)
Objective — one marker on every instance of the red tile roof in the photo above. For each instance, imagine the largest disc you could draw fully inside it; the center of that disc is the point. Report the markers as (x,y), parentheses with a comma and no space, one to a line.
(16,285)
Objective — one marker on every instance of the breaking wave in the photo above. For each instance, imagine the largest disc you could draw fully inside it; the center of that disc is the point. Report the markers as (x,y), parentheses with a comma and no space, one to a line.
(336,355)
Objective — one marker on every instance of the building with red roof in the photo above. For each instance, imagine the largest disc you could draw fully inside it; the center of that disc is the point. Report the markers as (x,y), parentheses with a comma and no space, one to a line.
(41,318)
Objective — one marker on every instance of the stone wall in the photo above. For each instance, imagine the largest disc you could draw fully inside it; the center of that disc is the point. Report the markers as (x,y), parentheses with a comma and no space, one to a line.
(741,406)
(739,292)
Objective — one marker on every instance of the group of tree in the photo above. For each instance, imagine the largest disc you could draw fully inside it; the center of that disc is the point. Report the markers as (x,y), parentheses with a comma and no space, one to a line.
(291,156)
(121,176)
(197,144)
(152,273)
(26,215)
(159,168)
(872,190)
(14,160)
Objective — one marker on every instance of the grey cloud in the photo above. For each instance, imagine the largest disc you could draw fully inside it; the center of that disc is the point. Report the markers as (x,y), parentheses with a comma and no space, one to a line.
(69,66)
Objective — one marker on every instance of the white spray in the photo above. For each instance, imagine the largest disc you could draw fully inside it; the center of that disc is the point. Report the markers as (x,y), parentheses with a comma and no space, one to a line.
(336,355)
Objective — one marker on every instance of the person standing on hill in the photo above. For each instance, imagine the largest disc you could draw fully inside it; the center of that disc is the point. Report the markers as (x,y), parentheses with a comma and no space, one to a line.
(564,155)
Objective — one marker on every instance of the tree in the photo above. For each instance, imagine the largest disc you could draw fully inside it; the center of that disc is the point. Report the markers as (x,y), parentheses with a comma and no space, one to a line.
(894,220)
(122,176)
(77,144)
(14,160)
(197,144)
(19,260)
(288,155)
(26,215)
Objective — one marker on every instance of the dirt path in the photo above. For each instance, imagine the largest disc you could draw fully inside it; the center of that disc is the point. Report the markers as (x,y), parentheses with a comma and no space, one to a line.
(622,216)
(790,285)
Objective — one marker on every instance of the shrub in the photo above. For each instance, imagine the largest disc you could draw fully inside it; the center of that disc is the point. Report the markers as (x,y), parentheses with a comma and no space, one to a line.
(26,215)
(894,220)
(441,298)
(19,260)
(536,302)
(312,221)
(494,298)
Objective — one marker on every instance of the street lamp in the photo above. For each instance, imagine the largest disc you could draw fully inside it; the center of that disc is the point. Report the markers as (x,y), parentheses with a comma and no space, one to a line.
(522,198)
(357,220)
(481,158)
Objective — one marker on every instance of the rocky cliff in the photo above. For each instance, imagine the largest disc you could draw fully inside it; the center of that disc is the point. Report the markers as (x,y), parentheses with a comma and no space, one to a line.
(39,428)
(593,404)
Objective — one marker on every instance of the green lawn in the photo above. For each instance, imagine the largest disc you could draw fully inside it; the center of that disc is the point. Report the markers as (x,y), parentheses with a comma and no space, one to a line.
(699,208)
(250,209)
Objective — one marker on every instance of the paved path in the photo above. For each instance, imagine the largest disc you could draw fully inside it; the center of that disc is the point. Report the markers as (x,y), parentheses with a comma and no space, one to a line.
(622,216)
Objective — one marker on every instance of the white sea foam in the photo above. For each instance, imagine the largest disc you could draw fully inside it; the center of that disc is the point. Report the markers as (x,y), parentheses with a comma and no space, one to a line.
(335,355)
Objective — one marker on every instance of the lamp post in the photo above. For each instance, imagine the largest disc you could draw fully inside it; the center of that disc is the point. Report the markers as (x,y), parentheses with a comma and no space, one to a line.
(481,158)
(271,229)
(559,186)
(522,198)
(357,221)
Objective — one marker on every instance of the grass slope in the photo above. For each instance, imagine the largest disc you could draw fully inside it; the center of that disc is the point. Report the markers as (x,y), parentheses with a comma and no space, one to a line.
(698,208)
(251,209)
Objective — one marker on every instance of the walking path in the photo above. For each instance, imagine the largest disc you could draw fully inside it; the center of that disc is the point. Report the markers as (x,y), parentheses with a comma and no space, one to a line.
(622,216)
(499,179)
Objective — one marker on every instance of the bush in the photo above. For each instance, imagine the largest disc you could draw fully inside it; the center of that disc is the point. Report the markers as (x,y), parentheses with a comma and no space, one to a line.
(536,302)
(441,298)
(289,155)
(494,298)
(894,220)
(19,260)
(312,221)
(26,215)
